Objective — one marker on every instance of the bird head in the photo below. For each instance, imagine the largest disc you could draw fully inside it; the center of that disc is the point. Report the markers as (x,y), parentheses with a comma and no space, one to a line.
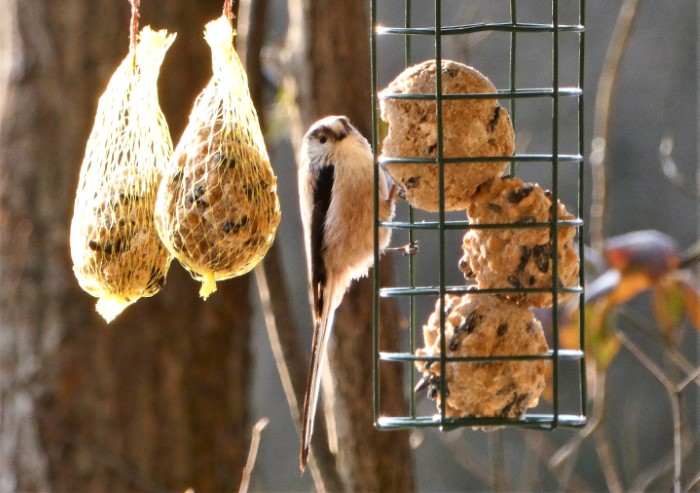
(326,136)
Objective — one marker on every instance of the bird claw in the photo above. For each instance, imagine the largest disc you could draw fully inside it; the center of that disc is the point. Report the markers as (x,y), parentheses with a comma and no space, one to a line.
(422,384)
(409,249)
(396,191)
(401,192)
(392,192)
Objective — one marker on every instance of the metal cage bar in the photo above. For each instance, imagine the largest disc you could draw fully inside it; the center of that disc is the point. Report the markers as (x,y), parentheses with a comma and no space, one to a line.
(555,159)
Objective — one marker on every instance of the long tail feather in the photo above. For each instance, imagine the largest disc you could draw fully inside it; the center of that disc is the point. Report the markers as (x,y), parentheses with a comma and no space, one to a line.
(322,332)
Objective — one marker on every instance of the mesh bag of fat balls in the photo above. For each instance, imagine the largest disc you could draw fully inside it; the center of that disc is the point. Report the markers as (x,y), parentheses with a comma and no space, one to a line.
(117,255)
(217,209)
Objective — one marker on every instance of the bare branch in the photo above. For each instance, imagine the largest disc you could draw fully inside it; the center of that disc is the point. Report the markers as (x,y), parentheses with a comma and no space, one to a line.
(470,459)
(691,255)
(252,454)
(693,483)
(570,447)
(601,119)
(675,403)
(643,326)
(292,364)
(275,299)
(670,169)
(668,164)
(607,459)
(693,377)
(498,461)
(649,475)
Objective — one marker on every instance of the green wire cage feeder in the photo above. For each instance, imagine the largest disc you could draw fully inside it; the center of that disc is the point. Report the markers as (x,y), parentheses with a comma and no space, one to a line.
(494,335)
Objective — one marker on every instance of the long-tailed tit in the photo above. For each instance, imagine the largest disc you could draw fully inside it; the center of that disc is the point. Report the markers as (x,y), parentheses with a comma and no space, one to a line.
(336,178)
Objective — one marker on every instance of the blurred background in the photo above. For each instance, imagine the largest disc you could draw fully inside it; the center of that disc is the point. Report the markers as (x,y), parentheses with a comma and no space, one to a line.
(165,397)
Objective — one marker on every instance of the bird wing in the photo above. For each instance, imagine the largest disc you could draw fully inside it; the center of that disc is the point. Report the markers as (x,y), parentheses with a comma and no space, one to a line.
(322,187)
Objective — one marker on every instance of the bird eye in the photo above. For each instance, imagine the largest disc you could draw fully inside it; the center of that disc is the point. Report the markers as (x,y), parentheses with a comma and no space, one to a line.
(322,139)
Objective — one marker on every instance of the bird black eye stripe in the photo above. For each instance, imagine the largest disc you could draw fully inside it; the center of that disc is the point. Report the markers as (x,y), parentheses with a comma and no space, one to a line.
(324,134)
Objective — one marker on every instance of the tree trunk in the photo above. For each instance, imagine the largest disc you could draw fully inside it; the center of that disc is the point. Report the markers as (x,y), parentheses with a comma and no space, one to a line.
(157,400)
(288,350)
(330,64)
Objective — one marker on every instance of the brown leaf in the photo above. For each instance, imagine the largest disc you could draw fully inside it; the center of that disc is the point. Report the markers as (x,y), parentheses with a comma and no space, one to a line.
(669,307)
(651,252)
(601,343)
(691,296)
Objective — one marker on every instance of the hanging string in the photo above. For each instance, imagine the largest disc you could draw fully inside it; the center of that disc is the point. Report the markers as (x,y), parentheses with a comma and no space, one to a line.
(228,10)
(135,5)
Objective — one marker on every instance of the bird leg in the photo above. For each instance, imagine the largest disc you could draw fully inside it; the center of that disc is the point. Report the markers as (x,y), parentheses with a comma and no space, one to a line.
(392,192)
(411,248)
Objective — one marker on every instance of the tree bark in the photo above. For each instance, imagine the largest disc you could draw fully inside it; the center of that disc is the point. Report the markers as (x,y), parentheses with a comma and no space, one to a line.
(287,349)
(331,75)
(157,400)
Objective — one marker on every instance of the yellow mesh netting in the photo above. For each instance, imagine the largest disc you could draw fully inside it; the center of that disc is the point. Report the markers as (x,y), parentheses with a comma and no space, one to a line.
(217,209)
(117,255)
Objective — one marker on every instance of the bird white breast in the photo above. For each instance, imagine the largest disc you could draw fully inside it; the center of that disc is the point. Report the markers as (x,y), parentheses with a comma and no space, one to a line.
(350,249)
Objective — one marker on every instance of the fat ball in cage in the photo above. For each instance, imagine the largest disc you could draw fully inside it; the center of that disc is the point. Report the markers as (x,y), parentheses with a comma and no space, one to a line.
(483,332)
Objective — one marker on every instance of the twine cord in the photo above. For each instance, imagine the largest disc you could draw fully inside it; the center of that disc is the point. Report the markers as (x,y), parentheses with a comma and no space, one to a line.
(228,10)
(133,33)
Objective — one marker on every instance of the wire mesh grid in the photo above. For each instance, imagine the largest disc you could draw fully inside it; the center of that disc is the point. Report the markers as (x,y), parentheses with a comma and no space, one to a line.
(561,162)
